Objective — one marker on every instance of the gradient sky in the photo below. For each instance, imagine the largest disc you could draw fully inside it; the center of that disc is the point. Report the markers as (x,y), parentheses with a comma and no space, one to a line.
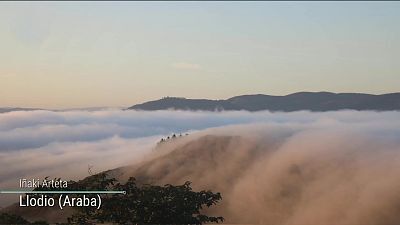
(85,54)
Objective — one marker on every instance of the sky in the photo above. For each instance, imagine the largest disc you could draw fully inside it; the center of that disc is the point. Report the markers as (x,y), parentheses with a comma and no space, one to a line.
(86,54)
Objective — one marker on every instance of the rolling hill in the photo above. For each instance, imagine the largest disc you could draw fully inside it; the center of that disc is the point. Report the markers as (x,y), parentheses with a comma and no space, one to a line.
(312,101)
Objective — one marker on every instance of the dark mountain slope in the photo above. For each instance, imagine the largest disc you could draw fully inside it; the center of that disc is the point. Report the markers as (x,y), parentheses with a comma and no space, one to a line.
(8,109)
(313,101)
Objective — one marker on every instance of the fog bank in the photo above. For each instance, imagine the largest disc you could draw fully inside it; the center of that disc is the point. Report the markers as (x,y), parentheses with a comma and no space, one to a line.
(338,168)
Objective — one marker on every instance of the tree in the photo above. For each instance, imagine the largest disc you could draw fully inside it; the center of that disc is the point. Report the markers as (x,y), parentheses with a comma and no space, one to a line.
(149,204)
(6,218)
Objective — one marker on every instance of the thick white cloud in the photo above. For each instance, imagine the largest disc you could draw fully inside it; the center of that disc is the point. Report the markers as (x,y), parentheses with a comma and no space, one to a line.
(32,129)
(63,144)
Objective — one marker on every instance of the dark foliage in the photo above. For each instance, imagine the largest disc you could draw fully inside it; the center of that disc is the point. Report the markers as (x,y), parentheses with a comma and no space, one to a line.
(149,204)
(143,204)
(6,218)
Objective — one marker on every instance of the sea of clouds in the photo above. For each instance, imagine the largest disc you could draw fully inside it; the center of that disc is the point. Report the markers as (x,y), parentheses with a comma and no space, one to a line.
(340,155)
(333,170)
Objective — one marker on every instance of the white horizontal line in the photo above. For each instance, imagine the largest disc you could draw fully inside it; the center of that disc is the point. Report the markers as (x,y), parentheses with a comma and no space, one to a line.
(60,192)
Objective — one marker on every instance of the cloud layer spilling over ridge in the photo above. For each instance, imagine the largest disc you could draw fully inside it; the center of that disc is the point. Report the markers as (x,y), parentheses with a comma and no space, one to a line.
(340,169)
(272,168)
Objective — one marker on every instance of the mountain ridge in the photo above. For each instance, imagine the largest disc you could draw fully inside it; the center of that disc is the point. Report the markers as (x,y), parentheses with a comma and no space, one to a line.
(312,101)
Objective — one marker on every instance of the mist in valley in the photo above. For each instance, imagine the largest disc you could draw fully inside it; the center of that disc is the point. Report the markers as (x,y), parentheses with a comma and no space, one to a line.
(271,168)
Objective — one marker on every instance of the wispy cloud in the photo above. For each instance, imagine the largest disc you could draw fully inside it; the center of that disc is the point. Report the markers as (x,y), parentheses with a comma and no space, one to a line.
(185,66)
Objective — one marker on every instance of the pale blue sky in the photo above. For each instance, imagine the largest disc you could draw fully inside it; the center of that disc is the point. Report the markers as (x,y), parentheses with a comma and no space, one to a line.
(84,54)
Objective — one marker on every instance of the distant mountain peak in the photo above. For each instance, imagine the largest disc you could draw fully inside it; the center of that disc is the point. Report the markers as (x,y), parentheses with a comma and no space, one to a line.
(312,101)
